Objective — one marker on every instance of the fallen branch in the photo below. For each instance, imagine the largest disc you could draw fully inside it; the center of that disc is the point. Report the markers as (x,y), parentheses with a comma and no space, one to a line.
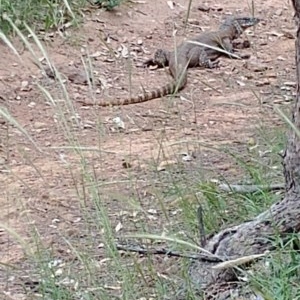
(244,189)
(144,251)
(222,263)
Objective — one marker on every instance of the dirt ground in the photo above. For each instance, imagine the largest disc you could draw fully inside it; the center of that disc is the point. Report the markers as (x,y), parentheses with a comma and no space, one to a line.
(221,107)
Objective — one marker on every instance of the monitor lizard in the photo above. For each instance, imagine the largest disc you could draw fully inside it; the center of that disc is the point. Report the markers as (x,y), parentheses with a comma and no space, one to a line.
(188,55)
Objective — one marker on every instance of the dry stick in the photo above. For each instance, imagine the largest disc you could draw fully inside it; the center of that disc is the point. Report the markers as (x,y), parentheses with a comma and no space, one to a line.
(222,263)
(141,250)
(244,189)
(201,226)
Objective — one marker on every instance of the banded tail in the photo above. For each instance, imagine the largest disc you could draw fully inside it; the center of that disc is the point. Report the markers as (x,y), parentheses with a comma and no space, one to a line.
(168,89)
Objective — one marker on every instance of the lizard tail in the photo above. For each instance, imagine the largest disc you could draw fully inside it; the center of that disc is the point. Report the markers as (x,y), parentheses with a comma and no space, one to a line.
(168,89)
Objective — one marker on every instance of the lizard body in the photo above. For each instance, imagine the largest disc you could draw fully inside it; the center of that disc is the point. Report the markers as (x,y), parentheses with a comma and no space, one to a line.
(188,55)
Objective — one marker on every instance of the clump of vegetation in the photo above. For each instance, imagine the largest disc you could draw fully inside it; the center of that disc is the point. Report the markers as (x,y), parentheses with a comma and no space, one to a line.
(46,14)
(108,4)
(39,14)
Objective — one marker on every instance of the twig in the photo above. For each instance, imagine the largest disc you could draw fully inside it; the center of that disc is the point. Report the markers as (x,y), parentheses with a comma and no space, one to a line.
(142,250)
(201,226)
(244,189)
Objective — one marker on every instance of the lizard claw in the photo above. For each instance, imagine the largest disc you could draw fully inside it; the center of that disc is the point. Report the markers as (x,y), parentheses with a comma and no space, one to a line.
(148,63)
(215,64)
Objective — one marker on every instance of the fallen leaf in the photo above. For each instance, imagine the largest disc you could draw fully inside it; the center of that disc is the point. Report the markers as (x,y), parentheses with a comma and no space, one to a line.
(124,51)
(118,227)
(171,4)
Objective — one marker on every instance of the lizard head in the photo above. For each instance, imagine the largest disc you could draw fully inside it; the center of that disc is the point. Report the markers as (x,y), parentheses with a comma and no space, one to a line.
(246,22)
(236,25)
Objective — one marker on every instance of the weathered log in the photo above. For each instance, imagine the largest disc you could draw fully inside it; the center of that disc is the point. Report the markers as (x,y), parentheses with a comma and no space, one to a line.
(255,236)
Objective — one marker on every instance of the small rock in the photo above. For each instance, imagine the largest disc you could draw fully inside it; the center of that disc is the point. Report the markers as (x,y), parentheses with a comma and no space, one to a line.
(87,126)
(278,12)
(171,4)
(166,163)
(207,89)
(251,141)
(270,75)
(274,33)
(281,58)
(186,157)
(194,22)
(203,8)
(32,104)
(285,88)
(262,83)
(290,83)
(39,125)
(257,67)
(240,83)
(25,86)
(152,211)
(118,122)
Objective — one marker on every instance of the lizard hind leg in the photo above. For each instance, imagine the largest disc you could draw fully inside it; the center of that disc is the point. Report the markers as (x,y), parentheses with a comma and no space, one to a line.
(206,62)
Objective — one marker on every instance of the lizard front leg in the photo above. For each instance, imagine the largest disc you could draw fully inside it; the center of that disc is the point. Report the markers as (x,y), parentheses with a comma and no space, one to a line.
(227,45)
(161,59)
